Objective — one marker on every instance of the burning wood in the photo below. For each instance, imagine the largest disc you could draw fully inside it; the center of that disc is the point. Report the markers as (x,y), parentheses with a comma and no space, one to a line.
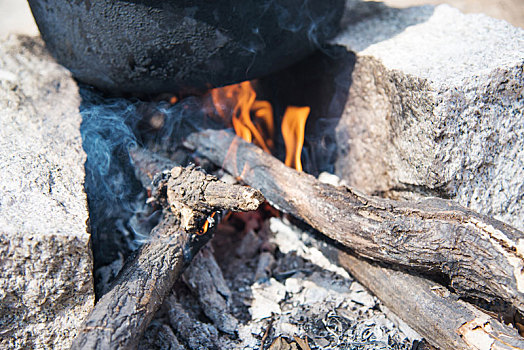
(188,197)
(206,281)
(301,294)
(482,257)
(253,120)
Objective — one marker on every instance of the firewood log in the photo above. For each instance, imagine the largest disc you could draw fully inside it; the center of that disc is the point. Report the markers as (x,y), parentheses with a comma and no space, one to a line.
(439,316)
(480,256)
(443,320)
(189,198)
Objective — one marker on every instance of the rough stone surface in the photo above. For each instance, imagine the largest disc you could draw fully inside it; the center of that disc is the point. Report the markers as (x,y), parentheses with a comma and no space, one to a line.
(436,107)
(46,285)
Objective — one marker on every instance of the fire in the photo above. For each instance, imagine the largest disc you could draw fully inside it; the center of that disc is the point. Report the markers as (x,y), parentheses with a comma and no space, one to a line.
(209,222)
(253,120)
(239,102)
(293,129)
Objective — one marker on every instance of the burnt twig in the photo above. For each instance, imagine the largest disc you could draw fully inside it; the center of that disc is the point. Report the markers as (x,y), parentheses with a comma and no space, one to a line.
(189,197)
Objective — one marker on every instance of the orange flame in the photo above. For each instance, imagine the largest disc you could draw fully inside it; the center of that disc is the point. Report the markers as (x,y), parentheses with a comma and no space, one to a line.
(238,100)
(263,119)
(293,128)
(253,120)
(210,220)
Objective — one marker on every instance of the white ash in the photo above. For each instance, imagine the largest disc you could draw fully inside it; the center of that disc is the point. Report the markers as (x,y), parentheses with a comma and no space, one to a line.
(107,273)
(286,289)
(266,299)
(289,239)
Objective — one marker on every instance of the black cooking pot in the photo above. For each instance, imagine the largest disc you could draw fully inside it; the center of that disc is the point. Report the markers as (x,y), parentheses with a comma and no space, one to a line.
(179,45)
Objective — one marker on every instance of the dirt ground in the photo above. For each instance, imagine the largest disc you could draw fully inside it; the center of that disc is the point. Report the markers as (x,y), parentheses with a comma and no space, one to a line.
(16,16)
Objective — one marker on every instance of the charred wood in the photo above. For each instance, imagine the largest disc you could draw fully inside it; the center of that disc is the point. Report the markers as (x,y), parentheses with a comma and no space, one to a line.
(189,192)
(121,316)
(160,336)
(206,281)
(481,257)
(189,197)
(430,309)
(196,334)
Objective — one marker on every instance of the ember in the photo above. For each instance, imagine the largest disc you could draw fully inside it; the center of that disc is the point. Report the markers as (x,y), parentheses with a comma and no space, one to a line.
(208,223)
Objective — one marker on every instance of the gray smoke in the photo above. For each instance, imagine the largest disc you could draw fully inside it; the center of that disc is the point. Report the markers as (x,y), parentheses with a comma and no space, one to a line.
(108,132)
(110,128)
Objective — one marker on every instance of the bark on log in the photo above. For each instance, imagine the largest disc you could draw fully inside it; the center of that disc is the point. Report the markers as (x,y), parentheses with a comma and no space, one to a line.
(122,315)
(482,257)
(438,315)
(189,192)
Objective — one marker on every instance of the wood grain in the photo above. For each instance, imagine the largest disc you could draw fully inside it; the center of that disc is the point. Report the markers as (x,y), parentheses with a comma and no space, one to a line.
(480,256)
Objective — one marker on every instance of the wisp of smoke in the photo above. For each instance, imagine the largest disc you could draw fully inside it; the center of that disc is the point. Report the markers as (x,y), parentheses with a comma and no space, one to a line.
(113,192)
(110,128)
